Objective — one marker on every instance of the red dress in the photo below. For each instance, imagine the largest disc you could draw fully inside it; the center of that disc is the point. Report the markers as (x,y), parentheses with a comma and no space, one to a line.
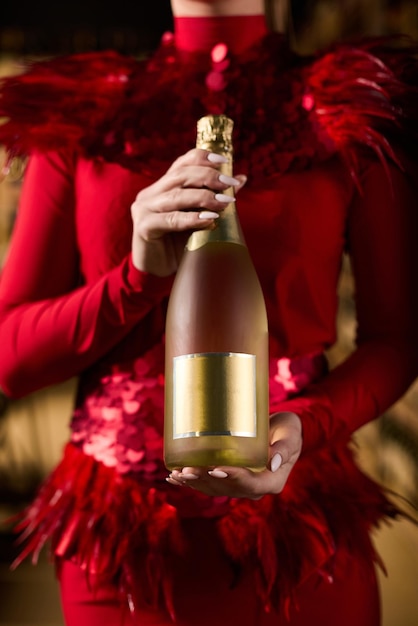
(325,144)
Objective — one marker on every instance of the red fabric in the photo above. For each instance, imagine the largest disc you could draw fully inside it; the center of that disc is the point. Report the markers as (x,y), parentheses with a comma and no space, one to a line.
(72,304)
(129,530)
(380,234)
(53,325)
(238,32)
(208,594)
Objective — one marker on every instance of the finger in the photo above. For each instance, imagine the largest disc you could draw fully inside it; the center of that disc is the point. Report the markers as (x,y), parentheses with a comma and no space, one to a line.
(226,481)
(181,199)
(242,179)
(237,481)
(209,162)
(231,473)
(282,454)
(188,474)
(176,483)
(200,168)
(218,473)
(197,156)
(276,461)
(187,210)
(179,477)
(200,177)
(286,437)
(174,479)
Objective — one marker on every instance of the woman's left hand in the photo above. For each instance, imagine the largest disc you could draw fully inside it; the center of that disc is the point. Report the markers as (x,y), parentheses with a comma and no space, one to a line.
(240,482)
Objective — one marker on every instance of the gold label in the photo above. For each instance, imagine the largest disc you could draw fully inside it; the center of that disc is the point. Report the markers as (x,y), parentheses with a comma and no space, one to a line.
(214,394)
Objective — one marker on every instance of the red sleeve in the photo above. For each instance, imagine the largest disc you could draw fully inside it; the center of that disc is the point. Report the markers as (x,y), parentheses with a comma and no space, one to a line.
(50,327)
(382,239)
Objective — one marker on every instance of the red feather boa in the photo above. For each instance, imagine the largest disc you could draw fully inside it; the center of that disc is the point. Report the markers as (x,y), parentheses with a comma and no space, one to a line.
(288,111)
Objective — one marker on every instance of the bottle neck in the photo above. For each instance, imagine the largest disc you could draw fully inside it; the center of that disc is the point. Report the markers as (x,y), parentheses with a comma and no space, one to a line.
(217,137)
(226,229)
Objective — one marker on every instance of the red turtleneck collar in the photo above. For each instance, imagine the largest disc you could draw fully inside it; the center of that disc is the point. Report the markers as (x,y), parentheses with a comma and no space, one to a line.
(200,34)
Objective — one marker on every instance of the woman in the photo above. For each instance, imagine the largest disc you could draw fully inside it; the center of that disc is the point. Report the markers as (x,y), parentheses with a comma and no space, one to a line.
(106,201)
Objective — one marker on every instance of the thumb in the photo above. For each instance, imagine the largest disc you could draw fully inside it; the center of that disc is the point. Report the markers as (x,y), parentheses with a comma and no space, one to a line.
(286,440)
(242,180)
(276,460)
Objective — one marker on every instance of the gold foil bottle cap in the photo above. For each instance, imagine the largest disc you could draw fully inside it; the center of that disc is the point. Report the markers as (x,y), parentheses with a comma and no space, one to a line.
(214,132)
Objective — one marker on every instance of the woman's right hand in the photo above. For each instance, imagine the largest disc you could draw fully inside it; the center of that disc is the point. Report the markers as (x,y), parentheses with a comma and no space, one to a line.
(189,196)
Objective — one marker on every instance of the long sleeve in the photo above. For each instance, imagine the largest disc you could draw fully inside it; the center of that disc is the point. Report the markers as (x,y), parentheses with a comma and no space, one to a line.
(51,326)
(382,241)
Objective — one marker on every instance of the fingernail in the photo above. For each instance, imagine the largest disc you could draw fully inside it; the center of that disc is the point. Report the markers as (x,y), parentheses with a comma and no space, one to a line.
(222,197)
(173,482)
(218,474)
(217,158)
(189,476)
(208,215)
(276,462)
(228,180)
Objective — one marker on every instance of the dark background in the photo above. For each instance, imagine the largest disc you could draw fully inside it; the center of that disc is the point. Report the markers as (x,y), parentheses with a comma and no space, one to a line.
(32,27)
(93,12)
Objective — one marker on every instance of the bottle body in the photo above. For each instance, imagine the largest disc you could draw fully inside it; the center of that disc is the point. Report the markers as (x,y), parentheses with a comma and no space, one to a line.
(216,379)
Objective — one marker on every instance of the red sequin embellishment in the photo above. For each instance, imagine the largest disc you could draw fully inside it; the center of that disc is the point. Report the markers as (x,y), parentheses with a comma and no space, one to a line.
(120,420)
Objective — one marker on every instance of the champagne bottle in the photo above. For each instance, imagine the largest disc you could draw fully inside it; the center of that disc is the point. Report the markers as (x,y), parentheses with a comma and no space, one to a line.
(216,398)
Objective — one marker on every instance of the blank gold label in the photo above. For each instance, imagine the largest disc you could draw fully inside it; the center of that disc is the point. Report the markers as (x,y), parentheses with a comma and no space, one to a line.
(214,394)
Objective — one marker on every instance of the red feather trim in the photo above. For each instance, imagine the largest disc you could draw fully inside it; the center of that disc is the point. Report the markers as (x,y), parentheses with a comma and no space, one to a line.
(106,523)
(119,531)
(288,112)
(328,505)
(57,103)
(367,96)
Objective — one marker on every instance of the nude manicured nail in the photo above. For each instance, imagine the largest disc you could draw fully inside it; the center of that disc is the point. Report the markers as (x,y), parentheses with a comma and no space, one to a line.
(208,215)
(217,158)
(188,476)
(173,482)
(228,180)
(217,474)
(222,197)
(276,462)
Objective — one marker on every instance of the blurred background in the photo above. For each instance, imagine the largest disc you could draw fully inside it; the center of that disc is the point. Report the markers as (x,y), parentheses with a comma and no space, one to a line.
(34,429)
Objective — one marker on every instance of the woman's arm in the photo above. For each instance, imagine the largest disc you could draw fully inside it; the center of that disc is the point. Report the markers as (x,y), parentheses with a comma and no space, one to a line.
(382,238)
(50,327)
